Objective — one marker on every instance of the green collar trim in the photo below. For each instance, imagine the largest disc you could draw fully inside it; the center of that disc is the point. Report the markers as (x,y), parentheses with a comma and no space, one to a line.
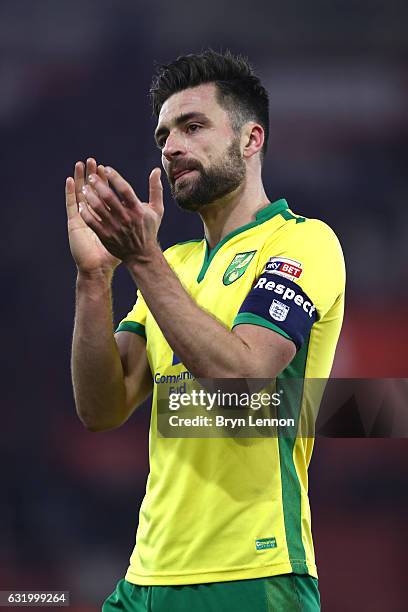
(266,213)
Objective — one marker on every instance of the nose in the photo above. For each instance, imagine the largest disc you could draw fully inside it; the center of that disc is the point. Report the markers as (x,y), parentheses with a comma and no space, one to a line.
(174,146)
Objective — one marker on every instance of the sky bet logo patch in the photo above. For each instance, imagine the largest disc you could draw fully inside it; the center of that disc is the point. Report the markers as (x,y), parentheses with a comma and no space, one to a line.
(289,268)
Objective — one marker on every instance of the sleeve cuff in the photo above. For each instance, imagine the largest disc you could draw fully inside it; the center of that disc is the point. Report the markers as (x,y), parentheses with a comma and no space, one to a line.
(253,319)
(131,326)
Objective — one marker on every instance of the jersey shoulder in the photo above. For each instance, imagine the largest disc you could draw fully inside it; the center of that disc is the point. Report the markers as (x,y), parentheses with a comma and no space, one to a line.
(296,227)
(309,237)
(312,251)
(182,250)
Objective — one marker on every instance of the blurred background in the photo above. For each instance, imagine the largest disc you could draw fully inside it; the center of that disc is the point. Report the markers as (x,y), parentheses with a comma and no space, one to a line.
(74,80)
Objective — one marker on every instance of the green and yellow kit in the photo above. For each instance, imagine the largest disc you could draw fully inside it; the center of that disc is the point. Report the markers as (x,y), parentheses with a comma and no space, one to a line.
(224,509)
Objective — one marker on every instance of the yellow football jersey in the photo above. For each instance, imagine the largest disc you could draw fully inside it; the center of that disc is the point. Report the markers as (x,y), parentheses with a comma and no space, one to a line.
(219,509)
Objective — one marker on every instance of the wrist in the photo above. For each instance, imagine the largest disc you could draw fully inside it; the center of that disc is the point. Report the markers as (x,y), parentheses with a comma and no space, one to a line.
(100,276)
(137,262)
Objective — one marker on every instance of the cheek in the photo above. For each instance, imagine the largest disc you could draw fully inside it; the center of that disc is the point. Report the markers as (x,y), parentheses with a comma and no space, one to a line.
(216,153)
(208,147)
(212,150)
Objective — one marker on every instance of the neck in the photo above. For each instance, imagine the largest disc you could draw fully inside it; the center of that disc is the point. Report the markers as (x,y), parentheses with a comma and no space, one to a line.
(235,210)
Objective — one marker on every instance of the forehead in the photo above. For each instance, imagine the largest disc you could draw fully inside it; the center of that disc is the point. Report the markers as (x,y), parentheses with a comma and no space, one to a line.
(200,99)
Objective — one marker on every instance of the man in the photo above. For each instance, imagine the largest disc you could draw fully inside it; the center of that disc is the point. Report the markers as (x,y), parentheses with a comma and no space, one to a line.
(225,523)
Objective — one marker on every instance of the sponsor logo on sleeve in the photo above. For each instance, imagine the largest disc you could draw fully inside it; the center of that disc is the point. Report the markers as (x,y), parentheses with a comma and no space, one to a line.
(278,311)
(289,268)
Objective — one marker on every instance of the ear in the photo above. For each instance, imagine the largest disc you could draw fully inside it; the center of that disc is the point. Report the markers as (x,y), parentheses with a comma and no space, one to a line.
(253,137)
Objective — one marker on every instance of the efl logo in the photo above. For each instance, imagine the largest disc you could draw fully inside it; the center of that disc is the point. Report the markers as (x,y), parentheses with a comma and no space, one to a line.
(289,268)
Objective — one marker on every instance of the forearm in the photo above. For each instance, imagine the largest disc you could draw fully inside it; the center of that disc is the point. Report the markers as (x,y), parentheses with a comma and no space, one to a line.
(97,374)
(206,347)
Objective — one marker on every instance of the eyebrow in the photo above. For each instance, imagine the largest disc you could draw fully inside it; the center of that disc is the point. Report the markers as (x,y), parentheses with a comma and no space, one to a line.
(179,121)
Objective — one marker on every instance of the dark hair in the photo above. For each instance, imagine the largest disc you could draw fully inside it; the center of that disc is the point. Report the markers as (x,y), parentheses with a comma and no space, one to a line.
(239,91)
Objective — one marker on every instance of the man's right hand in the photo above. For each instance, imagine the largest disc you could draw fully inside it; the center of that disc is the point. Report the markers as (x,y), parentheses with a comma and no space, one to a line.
(87,250)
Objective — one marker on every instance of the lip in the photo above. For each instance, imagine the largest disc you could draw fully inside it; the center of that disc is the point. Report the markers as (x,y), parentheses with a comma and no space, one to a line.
(177,175)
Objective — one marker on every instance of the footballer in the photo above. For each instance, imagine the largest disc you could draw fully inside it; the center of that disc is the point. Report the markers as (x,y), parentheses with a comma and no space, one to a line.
(225,523)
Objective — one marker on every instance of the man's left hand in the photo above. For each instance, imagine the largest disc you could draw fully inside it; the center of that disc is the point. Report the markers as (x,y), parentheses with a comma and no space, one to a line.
(126,226)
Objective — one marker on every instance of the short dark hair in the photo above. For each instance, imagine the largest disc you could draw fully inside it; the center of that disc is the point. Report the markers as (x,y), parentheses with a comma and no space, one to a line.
(239,90)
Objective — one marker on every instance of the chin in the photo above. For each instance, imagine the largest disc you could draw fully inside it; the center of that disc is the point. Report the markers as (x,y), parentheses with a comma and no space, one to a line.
(184,197)
(188,205)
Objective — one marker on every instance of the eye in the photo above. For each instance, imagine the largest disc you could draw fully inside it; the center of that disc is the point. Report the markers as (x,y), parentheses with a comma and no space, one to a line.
(161,142)
(193,127)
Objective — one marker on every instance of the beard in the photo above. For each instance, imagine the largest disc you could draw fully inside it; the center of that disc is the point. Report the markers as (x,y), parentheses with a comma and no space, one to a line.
(212,183)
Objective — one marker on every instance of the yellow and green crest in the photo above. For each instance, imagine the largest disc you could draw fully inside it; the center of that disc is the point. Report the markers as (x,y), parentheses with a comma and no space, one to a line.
(237,267)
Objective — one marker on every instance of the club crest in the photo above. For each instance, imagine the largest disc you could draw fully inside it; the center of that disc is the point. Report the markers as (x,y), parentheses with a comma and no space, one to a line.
(237,267)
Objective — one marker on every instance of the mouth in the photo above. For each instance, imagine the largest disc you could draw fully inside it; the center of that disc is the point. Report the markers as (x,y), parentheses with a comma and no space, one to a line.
(181,173)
